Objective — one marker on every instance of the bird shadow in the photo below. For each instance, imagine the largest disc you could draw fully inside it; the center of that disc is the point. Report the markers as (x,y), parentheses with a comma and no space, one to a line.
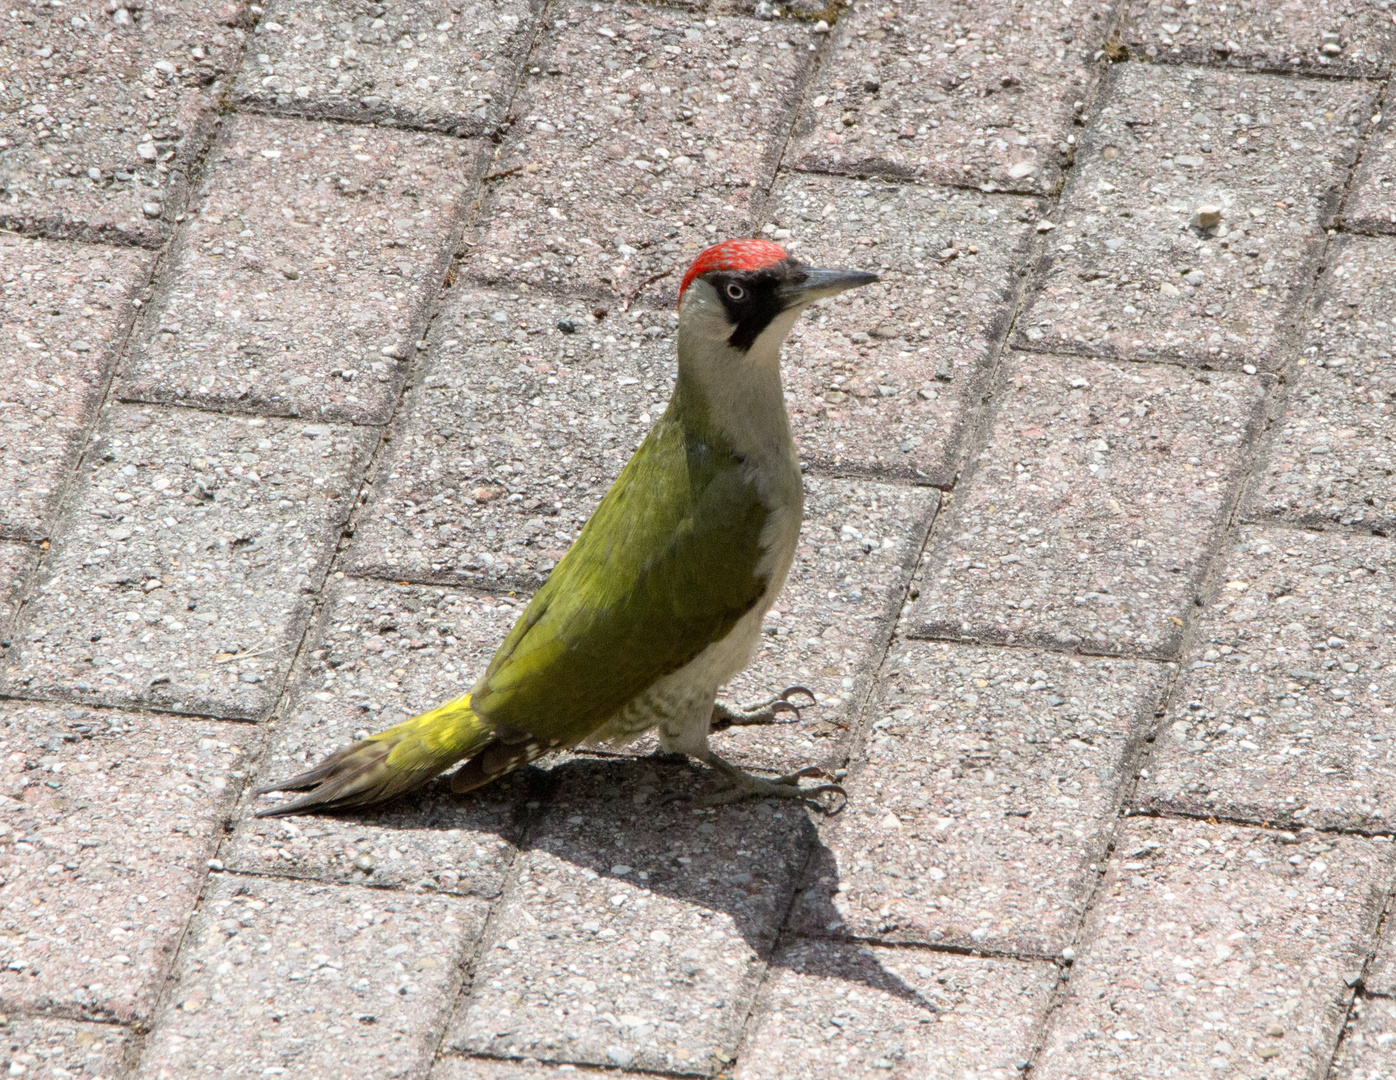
(760,863)
(639,820)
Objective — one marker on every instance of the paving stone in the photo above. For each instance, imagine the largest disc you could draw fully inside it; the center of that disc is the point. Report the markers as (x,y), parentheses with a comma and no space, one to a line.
(444,66)
(329,980)
(642,135)
(62,1048)
(1211,952)
(1089,521)
(855,1010)
(303,281)
(1285,712)
(883,379)
(1127,272)
(1365,1053)
(984,800)
(381,654)
(64,310)
(17,562)
(1372,205)
(635,932)
(183,579)
(106,109)
(464,499)
(109,820)
(959,92)
(1333,459)
(1268,35)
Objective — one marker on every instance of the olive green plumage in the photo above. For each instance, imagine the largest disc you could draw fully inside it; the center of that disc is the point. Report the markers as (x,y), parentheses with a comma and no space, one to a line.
(665,567)
(681,528)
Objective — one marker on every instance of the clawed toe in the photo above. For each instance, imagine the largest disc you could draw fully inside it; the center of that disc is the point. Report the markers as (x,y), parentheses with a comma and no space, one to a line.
(743,785)
(805,690)
(781,702)
(765,712)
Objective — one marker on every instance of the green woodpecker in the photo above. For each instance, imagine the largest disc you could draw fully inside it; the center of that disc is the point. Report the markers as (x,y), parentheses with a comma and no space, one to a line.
(659,601)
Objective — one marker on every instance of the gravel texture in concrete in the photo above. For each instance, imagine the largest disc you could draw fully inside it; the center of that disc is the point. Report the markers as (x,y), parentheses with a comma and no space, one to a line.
(638,925)
(1285,710)
(1380,977)
(1333,459)
(17,562)
(66,1049)
(884,380)
(1196,216)
(151,75)
(185,579)
(1321,38)
(1365,1053)
(1098,497)
(1372,205)
(110,818)
(300,285)
(858,1010)
(980,812)
(511,375)
(442,66)
(1214,949)
(326,324)
(974,94)
(380,654)
(64,312)
(640,135)
(320,980)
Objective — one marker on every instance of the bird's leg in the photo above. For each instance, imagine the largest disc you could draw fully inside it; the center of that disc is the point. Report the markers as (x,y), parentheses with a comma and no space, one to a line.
(763,712)
(740,784)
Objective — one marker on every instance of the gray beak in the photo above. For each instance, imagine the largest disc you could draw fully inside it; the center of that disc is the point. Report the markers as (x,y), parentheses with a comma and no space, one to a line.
(821,283)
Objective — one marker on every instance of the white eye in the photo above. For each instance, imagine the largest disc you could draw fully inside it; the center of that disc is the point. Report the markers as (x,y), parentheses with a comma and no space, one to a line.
(735,291)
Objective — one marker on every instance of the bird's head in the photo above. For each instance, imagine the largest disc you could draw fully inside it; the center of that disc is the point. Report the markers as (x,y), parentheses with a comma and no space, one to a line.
(747,294)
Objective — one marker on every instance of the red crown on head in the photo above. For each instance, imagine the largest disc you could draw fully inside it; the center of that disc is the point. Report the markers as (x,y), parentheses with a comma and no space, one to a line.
(734,255)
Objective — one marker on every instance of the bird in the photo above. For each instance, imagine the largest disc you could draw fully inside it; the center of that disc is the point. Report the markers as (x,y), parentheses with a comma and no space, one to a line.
(660,599)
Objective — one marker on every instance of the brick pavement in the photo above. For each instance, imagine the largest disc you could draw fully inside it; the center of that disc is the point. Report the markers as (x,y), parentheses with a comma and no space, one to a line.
(324,325)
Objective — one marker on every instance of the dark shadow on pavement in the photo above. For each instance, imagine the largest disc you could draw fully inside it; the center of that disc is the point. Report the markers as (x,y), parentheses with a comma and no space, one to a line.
(639,821)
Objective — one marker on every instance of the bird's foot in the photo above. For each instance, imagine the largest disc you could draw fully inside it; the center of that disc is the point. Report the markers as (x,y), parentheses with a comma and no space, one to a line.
(763,712)
(740,784)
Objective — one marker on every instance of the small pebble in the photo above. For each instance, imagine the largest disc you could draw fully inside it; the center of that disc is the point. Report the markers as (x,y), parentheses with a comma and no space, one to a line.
(1207,216)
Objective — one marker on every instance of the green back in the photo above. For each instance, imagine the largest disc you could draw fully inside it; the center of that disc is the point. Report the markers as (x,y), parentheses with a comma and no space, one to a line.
(665,567)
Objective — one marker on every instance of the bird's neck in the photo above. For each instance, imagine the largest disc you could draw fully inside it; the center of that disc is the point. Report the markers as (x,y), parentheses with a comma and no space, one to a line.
(737,396)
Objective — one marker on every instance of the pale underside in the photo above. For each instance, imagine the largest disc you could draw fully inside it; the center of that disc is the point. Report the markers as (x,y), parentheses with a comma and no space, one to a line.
(680,704)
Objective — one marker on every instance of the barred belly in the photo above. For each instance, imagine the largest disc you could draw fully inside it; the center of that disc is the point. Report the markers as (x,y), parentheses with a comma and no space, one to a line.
(671,708)
(681,703)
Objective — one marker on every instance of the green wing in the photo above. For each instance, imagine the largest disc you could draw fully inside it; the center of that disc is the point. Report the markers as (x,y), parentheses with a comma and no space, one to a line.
(665,567)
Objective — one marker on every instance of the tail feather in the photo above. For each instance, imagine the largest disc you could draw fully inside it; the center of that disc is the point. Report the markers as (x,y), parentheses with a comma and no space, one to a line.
(389,763)
(494,761)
